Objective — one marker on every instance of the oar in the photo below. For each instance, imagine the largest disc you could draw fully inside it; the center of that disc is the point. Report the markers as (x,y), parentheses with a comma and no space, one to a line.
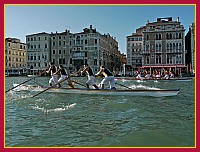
(23,82)
(123,86)
(19,84)
(50,87)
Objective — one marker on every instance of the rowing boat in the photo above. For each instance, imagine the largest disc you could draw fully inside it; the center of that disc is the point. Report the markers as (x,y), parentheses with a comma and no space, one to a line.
(143,79)
(133,92)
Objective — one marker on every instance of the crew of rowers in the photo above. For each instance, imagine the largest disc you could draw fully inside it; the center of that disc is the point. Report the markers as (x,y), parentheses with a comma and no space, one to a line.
(155,75)
(108,76)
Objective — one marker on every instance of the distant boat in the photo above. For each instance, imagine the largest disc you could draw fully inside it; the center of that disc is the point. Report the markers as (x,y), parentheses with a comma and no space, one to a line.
(156,79)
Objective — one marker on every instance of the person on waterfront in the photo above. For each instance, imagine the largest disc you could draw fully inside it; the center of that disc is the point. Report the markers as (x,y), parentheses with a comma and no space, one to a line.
(54,77)
(171,74)
(157,74)
(138,75)
(90,81)
(108,77)
(147,74)
(166,76)
(63,76)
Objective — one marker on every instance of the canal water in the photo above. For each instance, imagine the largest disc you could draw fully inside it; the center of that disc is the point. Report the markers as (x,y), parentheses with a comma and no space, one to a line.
(77,120)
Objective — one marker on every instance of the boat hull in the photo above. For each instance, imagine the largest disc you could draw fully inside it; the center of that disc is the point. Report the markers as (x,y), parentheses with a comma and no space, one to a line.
(106,92)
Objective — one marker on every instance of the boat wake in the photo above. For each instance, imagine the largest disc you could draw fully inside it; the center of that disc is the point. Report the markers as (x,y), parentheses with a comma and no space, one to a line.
(143,87)
(43,109)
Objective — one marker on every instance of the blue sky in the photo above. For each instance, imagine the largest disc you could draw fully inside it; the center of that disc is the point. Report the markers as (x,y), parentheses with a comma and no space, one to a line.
(117,20)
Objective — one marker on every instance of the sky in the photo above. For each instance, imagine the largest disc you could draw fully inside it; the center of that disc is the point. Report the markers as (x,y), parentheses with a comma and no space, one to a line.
(119,21)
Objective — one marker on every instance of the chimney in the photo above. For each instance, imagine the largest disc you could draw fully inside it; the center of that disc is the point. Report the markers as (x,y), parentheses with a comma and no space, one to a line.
(177,19)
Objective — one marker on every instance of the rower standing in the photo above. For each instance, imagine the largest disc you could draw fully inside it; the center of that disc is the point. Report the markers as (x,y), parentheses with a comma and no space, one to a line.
(108,77)
(90,81)
(64,75)
(54,77)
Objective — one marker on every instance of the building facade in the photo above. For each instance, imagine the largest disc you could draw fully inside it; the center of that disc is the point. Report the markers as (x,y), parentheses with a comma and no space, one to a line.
(190,49)
(15,56)
(134,49)
(72,50)
(38,51)
(162,44)
(60,51)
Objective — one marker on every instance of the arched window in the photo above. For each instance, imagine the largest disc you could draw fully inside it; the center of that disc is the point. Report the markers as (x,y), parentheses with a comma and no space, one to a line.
(180,45)
(157,47)
(160,47)
(167,46)
(160,36)
(170,46)
(180,36)
(176,35)
(170,36)
(147,36)
(167,36)
(174,46)
(156,36)
(78,40)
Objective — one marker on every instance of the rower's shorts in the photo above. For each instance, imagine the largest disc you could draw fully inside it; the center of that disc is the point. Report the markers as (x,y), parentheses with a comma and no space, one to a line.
(109,79)
(54,79)
(90,80)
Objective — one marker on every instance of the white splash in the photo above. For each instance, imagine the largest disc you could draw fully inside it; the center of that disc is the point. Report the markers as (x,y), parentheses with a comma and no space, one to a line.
(143,87)
(54,110)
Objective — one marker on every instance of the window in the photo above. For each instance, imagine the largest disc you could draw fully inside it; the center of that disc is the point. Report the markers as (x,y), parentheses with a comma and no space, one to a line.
(180,46)
(147,60)
(147,47)
(95,61)
(95,41)
(179,59)
(147,36)
(180,36)
(60,61)
(169,59)
(158,59)
(60,51)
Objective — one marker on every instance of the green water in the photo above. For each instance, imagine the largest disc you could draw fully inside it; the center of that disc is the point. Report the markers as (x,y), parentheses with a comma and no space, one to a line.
(57,119)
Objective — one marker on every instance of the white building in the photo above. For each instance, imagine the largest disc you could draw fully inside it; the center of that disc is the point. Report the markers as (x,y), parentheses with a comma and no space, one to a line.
(38,51)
